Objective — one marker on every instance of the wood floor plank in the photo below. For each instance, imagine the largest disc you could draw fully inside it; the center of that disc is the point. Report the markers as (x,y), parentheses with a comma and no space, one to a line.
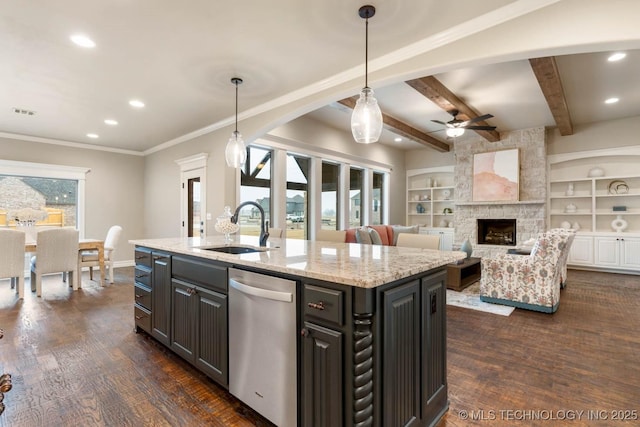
(76,360)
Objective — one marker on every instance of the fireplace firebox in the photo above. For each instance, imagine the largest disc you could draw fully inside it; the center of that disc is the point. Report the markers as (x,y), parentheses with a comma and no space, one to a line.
(497,232)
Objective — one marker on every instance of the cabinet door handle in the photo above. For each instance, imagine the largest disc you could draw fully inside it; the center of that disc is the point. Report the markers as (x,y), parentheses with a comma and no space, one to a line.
(139,317)
(317,305)
(139,276)
(140,257)
(138,296)
(192,291)
(305,332)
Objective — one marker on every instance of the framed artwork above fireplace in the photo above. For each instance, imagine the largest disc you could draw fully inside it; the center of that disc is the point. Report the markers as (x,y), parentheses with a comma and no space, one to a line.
(496,176)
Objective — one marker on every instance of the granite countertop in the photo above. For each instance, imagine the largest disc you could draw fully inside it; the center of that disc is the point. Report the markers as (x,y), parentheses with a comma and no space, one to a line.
(365,266)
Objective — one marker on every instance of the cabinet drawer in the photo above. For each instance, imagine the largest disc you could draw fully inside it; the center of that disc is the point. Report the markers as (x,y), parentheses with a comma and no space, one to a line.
(143,276)
(201,273)
(142,317)
(143,257)
(323,303)
(142,296)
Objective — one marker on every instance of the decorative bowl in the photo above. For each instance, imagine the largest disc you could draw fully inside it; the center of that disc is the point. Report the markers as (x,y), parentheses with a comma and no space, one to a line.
(596,172)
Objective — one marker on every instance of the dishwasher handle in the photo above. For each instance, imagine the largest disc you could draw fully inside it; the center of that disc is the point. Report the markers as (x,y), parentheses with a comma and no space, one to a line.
(260,292)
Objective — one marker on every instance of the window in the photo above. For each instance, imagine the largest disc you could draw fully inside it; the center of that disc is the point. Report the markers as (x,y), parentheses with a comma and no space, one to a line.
(377,199)
(255,185)
(297,196)
(38,201)
(330,196)
(355,197)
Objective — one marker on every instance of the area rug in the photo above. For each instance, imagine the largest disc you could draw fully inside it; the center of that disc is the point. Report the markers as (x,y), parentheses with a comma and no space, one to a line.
(470,298)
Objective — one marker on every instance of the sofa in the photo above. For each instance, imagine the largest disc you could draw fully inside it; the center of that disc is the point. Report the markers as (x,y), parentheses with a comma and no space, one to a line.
(388,234)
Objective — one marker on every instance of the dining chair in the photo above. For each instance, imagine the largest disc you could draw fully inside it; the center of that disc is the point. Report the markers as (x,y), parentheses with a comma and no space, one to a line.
(56,252)
(12,258)
(424,241)
(91,259)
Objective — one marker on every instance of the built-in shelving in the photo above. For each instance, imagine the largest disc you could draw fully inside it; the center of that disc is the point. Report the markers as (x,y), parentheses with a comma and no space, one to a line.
(591,204)
(431,189)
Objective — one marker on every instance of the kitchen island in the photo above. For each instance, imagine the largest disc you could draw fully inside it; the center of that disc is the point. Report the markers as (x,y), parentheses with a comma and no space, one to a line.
(370,335)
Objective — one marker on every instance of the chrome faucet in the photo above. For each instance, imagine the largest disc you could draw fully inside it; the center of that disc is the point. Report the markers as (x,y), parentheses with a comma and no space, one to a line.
(264,225)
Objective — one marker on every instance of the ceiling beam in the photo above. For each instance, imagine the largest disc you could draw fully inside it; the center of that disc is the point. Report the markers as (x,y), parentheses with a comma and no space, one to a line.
(396,126)
(440,95)
(546,72)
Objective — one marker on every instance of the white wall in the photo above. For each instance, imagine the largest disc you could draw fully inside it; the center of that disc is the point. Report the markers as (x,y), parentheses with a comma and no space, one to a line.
(114,187)
(595,136)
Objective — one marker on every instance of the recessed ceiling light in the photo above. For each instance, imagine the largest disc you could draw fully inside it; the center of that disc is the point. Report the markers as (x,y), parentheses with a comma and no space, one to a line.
(111,122)
(136,103)
(611,100)
(92,135)
(83,41)
(616,56)
(398,139)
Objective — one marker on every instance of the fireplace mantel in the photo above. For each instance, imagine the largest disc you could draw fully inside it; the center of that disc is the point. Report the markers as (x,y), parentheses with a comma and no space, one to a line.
(502,202)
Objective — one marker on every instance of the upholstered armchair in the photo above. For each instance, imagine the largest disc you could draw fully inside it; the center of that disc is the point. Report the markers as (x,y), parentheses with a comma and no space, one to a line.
(527,281)
(564,256)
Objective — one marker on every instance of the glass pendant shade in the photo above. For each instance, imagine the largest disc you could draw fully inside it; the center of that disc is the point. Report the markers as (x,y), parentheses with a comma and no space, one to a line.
(455,132)
(366,120)
(236,152)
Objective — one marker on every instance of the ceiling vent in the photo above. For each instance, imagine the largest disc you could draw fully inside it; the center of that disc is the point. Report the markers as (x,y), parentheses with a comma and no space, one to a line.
(23,111)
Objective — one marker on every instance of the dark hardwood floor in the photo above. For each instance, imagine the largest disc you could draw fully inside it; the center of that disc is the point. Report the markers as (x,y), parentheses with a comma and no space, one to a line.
(76,361)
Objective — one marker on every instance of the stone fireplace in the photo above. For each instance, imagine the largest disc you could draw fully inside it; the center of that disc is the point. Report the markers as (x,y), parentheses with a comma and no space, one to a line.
(529,212)
(497,232)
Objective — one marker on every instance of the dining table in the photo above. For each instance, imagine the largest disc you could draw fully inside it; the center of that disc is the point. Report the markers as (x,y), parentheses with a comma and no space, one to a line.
(83,245)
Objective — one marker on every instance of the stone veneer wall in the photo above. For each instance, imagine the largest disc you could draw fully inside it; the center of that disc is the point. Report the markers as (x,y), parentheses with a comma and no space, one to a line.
(530,217)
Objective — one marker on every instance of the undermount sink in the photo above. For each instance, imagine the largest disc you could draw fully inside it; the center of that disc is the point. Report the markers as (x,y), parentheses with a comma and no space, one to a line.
(235,249)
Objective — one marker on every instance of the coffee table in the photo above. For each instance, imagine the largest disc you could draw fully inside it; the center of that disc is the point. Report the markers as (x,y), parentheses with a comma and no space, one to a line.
(459,276)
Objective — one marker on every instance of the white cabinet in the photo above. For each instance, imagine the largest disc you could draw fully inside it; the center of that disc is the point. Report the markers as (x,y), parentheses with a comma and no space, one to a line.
(617,252)
(446,237)
(430,196)
(581,252)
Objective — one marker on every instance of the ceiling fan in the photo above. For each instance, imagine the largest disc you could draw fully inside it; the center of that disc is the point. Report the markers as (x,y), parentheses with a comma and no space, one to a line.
(456,127)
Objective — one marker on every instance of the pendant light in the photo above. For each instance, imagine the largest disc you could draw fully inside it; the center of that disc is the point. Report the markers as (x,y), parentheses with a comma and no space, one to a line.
(366,120)
(236,152)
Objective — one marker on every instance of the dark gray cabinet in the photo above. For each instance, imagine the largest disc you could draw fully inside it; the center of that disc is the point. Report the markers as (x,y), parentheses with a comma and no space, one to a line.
(161,296)
(401,355)
(375,356)
(323,349)
(434,346)
(322,376)
(199,329)
(142,290)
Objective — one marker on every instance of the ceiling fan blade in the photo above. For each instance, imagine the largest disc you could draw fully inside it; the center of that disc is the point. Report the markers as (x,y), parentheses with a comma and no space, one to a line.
(480,127)
(439,122)
(477,119)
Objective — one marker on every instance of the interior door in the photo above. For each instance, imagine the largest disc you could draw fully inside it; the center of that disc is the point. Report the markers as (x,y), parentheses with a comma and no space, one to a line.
(193,203)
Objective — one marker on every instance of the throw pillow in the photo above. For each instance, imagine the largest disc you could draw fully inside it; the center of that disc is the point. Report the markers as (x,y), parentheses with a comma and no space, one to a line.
(397,229)
(363,236)
(375,236)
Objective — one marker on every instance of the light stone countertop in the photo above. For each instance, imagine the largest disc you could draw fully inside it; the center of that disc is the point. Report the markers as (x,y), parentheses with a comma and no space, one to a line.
(353,264)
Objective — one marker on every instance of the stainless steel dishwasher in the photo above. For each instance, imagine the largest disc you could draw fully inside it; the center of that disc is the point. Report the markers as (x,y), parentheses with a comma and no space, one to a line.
(262,344)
